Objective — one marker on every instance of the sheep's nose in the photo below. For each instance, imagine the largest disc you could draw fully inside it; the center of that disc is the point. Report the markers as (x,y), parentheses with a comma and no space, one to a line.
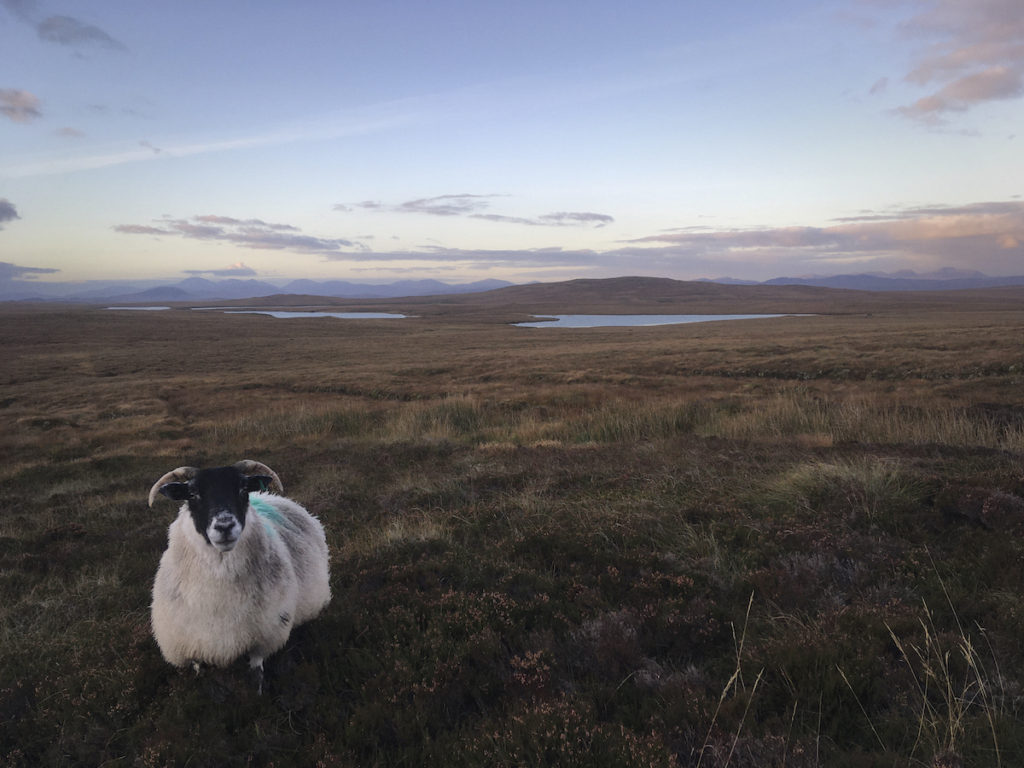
(224,523)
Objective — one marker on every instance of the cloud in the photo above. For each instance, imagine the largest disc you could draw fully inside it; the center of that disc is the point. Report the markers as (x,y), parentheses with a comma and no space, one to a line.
(986,236)
(62,30)
(570,218)
(25,10)
(446,205)
(66,30)
(238,269)
(19,106)
(376,117)
(141,229)
(7,211)
(975,55)
(10,272)
(249,233)
(472,206)
(989,235)
(480,258)
(959,95)
(209,219)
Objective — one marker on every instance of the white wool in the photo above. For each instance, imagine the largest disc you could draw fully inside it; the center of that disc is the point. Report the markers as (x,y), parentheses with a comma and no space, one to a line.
(213,607)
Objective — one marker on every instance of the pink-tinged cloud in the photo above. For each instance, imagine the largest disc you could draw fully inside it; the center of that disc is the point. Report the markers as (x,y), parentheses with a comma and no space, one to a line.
(19,106)
(976,55)
(987,234)
(992,84)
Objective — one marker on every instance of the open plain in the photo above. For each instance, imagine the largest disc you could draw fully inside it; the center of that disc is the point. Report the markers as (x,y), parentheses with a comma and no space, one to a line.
(795,541)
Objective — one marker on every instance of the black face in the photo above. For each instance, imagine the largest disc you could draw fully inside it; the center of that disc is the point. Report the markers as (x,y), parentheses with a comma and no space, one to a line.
(217,500)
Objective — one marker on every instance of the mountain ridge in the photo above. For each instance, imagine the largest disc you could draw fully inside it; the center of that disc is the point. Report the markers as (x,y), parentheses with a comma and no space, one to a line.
(194,289)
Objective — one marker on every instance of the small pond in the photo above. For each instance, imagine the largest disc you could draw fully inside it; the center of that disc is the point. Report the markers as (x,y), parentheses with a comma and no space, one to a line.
(607,321)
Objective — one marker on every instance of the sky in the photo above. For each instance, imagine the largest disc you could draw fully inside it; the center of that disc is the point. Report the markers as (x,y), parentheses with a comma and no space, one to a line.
(521,141)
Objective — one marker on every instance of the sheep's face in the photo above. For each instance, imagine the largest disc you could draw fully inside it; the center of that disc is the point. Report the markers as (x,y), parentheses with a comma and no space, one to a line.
(218,499)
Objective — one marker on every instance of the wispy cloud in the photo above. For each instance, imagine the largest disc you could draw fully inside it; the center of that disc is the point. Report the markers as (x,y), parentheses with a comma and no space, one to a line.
(473,206)
(66,30)
(446,205)
(61,30)
(19,106)
(377,117)
(576,218)
(480,258)
(7,211)
(975,55)
(10,272)
(248,233)
(986,235)
(238,269)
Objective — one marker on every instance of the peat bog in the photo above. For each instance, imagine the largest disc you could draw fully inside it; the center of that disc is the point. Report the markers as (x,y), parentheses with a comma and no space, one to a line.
(788,542)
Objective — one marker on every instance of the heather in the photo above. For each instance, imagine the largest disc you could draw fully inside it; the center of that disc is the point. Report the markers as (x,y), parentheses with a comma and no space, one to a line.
(786,542)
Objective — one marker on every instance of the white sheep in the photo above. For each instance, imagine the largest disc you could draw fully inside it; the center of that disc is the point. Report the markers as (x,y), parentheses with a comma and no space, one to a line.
(242,567)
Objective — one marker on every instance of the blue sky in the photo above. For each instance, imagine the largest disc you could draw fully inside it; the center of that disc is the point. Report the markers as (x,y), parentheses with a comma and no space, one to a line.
(521,141)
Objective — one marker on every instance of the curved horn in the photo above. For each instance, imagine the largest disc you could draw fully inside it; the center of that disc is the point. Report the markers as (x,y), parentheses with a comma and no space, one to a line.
(250,467)
(179,475)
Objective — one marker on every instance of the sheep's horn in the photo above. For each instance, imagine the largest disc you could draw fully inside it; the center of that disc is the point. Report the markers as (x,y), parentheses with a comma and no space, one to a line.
(179,475)
(250,467)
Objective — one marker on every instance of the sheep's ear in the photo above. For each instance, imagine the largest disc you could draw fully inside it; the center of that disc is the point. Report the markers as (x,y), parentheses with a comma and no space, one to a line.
(258,482)
(176,491)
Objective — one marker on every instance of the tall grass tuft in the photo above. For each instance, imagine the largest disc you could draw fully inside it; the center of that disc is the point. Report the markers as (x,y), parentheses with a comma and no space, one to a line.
(952,687)
(877,490)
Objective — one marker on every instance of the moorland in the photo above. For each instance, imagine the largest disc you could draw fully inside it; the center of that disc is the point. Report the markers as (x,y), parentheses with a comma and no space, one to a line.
(795,541)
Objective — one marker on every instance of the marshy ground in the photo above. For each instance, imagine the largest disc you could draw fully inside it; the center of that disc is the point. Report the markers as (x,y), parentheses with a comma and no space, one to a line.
(785,542)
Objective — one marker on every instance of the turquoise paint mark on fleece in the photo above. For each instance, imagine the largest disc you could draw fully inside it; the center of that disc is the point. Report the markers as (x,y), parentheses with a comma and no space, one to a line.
(268,513)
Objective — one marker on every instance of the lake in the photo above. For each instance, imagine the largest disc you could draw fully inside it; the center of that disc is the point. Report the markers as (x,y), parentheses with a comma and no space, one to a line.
(339,315)
(607,321)
(141,309)
(558,321)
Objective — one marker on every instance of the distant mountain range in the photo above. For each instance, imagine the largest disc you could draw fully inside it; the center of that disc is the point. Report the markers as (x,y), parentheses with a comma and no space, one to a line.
(198,289)
(942,280)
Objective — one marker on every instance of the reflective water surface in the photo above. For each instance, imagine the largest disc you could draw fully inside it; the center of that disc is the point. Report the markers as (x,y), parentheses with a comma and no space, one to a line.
(607,321)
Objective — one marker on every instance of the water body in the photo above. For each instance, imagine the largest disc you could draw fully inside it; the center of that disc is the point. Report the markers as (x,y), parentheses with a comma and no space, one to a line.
(608,321)
(339,315)
(141,309)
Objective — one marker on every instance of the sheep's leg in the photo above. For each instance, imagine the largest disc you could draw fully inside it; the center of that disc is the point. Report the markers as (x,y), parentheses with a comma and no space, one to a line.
(256,668)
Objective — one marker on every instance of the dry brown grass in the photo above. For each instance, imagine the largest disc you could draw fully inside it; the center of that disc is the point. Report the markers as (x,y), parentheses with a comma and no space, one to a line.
(534,532)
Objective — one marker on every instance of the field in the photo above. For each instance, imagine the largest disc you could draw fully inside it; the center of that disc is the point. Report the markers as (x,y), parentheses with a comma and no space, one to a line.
(784,542)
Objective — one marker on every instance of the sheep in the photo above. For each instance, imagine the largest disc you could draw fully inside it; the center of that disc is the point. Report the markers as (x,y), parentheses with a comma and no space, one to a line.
(241,568)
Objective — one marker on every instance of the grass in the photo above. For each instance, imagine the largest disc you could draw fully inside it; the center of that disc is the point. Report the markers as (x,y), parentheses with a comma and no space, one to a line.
(798,542)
